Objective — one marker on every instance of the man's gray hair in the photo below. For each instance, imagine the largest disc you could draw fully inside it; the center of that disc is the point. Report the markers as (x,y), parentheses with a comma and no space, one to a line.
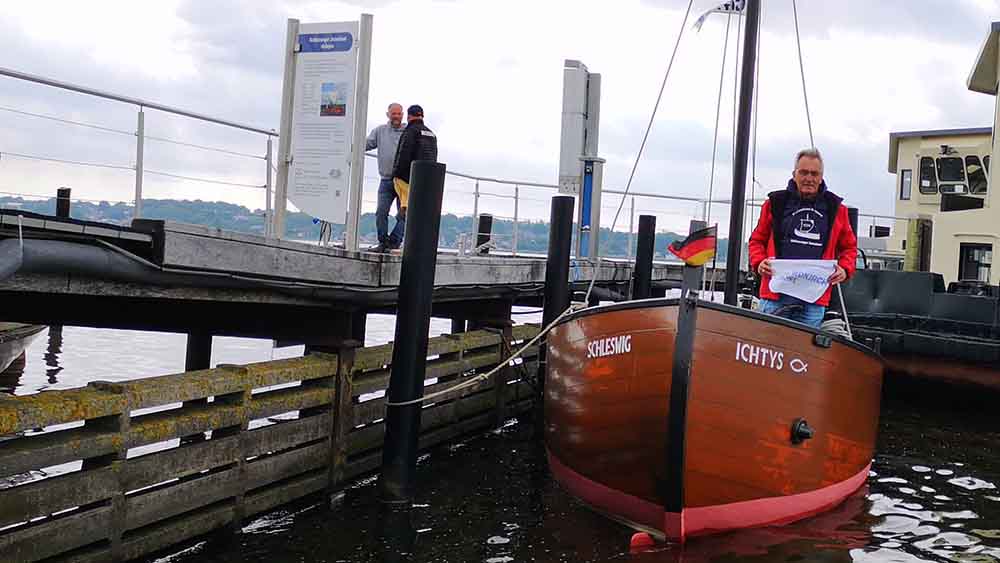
(811,152)
(401,108)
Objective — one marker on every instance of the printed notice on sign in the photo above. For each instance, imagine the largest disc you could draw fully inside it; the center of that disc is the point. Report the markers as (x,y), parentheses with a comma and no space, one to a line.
(323,119)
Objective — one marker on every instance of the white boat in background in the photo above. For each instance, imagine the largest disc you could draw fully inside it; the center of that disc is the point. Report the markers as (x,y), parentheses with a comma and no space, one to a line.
(14,338)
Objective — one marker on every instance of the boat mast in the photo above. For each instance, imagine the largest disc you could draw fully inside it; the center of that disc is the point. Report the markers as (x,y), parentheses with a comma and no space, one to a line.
(742,150)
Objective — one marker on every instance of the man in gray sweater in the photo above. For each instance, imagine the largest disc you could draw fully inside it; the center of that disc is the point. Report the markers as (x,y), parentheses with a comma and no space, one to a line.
(385,137)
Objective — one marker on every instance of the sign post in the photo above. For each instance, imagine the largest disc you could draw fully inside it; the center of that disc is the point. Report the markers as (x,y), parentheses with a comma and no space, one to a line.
(324,105)
(360,122)
(580,169)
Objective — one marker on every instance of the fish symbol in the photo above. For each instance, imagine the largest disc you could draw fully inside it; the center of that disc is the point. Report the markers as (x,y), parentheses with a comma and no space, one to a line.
(798,366)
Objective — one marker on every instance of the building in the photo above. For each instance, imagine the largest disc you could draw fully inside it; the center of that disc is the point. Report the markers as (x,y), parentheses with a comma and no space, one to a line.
(944,190)
(942,186)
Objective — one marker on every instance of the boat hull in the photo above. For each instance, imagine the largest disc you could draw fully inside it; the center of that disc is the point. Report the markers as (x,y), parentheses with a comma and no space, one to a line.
(14,338)
(607,399)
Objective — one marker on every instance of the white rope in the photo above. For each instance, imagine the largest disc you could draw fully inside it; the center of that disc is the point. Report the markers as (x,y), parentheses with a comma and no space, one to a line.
(642,146)
(802,73)
(483,376)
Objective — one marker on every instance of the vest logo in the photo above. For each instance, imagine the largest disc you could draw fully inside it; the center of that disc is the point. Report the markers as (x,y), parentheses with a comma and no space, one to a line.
(611,346)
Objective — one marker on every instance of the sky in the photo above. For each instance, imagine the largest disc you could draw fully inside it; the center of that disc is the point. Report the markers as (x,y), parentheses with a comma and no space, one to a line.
(489,76)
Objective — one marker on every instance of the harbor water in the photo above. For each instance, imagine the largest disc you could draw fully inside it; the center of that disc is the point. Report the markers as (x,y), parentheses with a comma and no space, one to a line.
(932,495)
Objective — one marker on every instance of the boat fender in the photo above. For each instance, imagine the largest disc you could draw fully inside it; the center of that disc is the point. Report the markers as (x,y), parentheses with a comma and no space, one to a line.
(801,431)
(641,541)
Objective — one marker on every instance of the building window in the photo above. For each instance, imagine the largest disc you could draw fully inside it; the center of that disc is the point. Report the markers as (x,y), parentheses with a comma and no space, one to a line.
(974,261)
(928,179)
(905,181)
(977,177)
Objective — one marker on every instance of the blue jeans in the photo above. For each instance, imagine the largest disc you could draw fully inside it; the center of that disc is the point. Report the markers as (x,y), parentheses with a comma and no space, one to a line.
(794,309)
(386,193)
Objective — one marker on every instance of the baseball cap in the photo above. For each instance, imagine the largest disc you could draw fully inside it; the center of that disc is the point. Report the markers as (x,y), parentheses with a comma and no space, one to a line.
(415,110)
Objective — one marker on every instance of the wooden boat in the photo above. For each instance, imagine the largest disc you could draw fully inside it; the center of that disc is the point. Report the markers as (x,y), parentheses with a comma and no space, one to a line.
(14,338)
(757,383)
(683,417)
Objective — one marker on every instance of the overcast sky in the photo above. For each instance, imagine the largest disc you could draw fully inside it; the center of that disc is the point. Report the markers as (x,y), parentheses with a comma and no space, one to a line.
(489,75)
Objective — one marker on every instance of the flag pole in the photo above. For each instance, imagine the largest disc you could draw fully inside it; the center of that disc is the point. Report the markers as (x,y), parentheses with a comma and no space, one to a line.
(715,260)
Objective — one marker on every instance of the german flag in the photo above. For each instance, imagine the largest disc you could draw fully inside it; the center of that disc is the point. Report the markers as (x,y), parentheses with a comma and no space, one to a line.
(697,248)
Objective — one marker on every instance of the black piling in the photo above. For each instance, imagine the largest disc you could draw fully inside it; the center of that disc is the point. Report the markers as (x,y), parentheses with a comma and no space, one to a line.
(62,203)
(199,351)
(198,356)
(484,231)
(409,354)
(557,293)
(643,270)
(852,217)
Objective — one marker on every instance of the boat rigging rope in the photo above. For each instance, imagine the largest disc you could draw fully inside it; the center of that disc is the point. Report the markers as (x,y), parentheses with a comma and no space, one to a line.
(718,112)
(573,307)
(642,146)
(802,73)
(756,107)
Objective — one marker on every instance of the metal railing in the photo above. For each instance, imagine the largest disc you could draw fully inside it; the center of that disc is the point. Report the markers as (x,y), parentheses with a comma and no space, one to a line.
(141,137)
(503,189)
(610,206)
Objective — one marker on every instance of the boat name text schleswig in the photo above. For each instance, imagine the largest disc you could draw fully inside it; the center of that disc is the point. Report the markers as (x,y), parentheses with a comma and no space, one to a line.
(611,346)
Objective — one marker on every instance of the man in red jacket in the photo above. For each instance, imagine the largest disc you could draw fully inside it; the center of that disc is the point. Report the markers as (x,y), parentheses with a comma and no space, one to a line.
(808,222)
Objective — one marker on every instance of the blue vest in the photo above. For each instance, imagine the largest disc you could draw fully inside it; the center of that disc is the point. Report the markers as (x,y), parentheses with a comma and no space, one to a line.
(801,229)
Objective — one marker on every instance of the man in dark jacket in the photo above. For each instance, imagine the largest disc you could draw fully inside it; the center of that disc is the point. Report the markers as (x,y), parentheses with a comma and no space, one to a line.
(808,222)
(418,142)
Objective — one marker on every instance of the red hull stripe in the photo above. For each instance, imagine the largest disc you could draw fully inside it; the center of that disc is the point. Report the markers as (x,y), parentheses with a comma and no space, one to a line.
(705,519)
(772,510)
(612,501)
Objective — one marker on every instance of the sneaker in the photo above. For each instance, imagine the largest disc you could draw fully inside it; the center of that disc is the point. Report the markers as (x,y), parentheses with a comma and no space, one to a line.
(378,248)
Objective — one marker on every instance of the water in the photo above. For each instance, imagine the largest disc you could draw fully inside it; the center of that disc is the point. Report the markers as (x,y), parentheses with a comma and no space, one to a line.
(934,492)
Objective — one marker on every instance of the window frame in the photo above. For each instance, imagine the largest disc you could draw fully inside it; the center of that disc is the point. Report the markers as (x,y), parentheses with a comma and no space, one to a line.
(984,262)
(981,171)
(932,189)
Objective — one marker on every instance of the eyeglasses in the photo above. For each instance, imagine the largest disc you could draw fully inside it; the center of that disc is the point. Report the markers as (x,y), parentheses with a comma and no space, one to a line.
(808,173)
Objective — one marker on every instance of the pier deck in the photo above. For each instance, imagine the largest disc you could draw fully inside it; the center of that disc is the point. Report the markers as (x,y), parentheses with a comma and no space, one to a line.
(159,275)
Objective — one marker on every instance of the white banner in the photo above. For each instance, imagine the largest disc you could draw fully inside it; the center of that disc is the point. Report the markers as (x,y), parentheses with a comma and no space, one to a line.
(804,279)
(323,119)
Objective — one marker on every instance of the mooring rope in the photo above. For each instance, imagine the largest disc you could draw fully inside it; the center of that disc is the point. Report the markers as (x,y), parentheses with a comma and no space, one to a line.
(483,376)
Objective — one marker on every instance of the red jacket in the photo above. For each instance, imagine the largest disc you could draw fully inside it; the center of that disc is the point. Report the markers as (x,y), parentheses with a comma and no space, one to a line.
(841,245)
